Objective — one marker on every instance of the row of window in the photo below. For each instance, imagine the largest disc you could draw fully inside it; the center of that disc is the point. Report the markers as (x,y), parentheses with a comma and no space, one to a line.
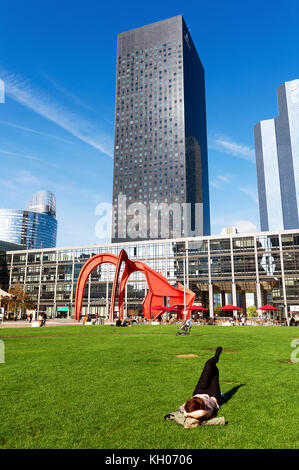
(268,264)
(267,243)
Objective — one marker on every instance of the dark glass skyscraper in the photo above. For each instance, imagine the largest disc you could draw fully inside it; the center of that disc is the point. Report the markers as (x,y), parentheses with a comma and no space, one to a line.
(160,151)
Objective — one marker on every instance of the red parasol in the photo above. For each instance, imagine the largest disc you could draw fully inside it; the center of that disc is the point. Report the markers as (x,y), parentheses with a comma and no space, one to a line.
(198,307)
(230,307)
(166,309)
(268,307)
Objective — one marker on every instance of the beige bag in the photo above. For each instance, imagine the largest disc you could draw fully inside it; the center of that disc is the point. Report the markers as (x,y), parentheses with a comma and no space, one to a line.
(190,423)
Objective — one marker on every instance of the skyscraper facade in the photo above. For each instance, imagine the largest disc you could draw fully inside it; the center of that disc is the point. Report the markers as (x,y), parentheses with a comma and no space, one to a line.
(160,151)
(35,227)
(277,161)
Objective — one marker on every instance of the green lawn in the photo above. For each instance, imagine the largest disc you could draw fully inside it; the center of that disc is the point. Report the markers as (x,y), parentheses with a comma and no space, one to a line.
(109,388)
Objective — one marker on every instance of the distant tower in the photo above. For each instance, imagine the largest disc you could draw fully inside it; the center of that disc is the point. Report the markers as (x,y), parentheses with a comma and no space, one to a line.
(277,161)
(43,202)
(35,227)
(160,150)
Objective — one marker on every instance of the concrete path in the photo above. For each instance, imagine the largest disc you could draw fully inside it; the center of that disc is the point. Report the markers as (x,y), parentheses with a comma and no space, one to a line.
(50,322)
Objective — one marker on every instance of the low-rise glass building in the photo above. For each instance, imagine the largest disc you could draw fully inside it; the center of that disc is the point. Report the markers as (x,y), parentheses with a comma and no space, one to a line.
(265,264)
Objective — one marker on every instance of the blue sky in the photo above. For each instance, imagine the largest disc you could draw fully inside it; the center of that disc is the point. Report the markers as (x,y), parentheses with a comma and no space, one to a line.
(58,61)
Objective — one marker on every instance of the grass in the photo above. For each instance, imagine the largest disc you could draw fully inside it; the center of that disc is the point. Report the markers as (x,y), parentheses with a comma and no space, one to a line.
(103,387)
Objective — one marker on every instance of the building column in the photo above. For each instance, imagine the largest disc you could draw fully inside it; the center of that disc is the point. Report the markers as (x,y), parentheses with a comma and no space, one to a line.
(10,272)
(285,303)
(259,295)
(187,264)
(243,293)
(126,301)
(211,290)
(88,298)
(39,286)
(55,289)
(211,300)
(107,299)
(234,294)
(234,297)
(222,298)
(257,275)
(72,288)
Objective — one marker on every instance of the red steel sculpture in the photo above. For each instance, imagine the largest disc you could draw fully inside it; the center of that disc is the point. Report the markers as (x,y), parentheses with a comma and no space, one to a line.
(158,286)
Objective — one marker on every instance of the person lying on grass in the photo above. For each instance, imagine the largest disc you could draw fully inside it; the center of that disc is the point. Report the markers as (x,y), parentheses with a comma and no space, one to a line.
(207,397)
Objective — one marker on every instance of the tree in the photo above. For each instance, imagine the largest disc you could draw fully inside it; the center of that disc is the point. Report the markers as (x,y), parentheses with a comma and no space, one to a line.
(20,299)
(217,311)
(251,311)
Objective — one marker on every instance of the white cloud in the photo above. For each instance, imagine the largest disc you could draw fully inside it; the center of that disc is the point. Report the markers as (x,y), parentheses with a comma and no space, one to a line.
(34,131)
(21,155)
(20,179)
(219,179)
(74,98)
(224,178)
(26,177)
(252,193)
(21,91)
(226,145)
(245,226)
(7,183)
(228,219)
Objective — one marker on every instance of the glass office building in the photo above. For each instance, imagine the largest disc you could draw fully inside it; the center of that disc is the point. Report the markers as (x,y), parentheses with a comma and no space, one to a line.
(265,264)
(35,227)
(6,246)
(277,161)
(160,151)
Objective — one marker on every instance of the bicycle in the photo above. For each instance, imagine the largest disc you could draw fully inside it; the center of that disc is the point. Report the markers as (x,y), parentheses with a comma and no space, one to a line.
(183,331)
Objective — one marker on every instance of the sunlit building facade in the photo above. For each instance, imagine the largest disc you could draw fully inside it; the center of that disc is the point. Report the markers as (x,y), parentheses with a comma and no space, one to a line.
(263,264)
(34,227)
(277,162)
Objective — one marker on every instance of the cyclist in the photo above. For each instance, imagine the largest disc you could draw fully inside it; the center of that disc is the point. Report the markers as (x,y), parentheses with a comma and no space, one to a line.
(186,328)
(188,324)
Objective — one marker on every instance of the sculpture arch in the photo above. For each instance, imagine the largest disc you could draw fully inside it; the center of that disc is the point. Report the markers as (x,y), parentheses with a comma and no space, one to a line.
(158,285)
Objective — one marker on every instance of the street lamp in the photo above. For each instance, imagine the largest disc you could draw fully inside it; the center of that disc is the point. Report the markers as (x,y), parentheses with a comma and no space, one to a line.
(184,270)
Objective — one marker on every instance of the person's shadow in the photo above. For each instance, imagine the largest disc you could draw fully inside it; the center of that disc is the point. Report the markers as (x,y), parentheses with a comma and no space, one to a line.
(231,392)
